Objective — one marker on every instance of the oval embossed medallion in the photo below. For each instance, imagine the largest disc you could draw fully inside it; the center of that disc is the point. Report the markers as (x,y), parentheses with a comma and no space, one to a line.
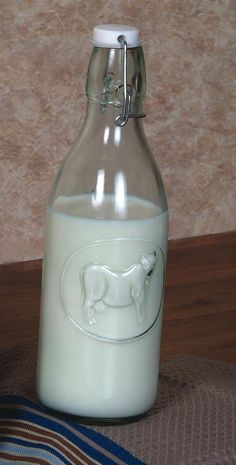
(113,289)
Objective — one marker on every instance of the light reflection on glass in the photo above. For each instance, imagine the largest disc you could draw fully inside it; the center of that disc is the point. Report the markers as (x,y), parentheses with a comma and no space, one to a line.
(120,195)
(111,56)
(117,135)
(106,135)
(98,195)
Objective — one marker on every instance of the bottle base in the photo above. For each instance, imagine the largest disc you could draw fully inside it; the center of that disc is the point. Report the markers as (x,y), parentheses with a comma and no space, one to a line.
(93,421)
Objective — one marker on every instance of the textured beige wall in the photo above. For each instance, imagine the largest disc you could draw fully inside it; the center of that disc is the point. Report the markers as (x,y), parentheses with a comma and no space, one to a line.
(189,49)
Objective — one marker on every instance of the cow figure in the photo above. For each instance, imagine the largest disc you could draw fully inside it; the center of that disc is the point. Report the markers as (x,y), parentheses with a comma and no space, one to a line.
(104,287)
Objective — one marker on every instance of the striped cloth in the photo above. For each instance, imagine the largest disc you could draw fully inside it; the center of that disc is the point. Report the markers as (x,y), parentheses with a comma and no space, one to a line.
(29,434)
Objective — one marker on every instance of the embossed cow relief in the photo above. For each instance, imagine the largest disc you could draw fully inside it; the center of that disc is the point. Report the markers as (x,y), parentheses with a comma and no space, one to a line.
(113,289)
(104,287)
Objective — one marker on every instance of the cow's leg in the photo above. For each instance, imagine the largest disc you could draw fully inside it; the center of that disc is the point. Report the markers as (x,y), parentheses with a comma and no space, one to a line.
(89,298)
(95,284)
(138,297)
(99,306)
(89,311)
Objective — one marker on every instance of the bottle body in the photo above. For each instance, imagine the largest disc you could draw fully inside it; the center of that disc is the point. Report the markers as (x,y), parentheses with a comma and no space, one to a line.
(103,274)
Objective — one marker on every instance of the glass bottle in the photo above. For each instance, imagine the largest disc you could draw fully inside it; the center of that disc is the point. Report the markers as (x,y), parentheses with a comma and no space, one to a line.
(105,249)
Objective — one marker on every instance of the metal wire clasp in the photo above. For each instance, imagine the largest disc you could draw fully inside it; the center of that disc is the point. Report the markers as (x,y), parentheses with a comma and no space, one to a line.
(122,119)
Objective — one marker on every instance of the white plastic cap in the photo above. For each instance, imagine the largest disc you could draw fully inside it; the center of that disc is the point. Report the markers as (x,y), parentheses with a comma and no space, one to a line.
(106,35)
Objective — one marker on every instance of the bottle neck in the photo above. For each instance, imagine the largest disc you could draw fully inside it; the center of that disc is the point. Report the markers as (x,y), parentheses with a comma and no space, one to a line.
(101,125)
(105,79)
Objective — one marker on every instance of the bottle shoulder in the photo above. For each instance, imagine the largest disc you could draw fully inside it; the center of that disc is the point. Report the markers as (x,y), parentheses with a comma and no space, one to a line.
(109,159)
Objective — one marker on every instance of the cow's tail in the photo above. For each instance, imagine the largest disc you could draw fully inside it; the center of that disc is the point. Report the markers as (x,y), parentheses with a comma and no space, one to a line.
(82,293)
